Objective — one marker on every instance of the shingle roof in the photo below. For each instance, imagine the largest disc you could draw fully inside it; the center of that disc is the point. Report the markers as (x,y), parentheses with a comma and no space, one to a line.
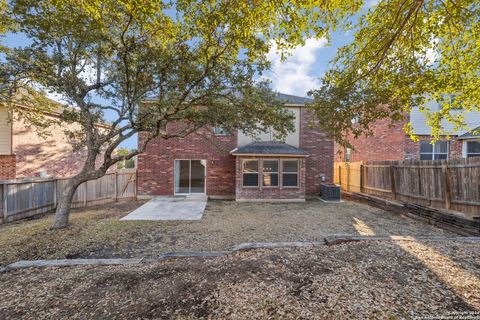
(470,134)
(291,99)
(286,98)
(269,148)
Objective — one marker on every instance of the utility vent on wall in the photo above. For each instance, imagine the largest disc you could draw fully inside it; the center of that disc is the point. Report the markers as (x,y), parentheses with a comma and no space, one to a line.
(43,174)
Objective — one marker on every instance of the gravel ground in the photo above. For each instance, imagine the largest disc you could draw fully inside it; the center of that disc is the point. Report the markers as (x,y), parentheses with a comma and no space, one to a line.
(97,232)
(364,280)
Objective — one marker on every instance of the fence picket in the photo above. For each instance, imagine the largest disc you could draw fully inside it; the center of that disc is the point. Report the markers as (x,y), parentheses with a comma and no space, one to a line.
(451,184)
(25,198)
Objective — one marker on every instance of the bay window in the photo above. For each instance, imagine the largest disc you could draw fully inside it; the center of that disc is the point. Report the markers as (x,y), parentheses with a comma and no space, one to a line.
(250,173)
(290,173)
(270,173)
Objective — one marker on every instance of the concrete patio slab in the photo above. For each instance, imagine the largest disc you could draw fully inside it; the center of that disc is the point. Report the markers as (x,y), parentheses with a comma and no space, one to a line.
(172,208)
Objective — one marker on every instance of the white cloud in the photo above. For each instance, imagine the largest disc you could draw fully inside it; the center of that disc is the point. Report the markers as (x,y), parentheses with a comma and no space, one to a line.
(293,75)
(371,3)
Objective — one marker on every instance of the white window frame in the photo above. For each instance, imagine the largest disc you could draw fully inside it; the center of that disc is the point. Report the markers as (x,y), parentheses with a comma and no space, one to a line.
(348,154)
(220,132)
(288,172)
(465,148)
(433,153)
(257,172)
(190,174)
(274,172)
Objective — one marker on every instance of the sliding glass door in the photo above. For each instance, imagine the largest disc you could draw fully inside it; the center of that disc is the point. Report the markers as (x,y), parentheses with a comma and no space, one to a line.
(190,176)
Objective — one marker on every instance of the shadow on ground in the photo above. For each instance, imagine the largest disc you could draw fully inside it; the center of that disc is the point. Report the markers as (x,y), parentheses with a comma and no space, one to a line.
(97,232)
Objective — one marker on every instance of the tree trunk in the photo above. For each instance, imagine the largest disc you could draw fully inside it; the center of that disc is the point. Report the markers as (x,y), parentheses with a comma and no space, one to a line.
(64,204)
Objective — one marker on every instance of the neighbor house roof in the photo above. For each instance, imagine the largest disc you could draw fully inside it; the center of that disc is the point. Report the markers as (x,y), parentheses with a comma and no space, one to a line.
(268,148)
(420,126)
(288,99)
(291,99)
(470,134)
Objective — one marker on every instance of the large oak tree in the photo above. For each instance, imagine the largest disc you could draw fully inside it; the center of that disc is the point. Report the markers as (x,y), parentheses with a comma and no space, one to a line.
(194,61)
(405,53)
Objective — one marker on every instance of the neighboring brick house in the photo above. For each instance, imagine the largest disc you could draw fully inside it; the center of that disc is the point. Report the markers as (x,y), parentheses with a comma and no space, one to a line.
(233,165)
(25,153)
(392,143)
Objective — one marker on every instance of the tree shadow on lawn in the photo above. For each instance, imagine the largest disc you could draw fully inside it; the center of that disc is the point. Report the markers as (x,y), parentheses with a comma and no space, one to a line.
(368,279)
(449,263)
(96,232)
(359,280)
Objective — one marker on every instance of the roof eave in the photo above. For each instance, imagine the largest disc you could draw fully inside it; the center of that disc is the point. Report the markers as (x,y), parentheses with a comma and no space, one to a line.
(467,137)
(294,105)
(270,155)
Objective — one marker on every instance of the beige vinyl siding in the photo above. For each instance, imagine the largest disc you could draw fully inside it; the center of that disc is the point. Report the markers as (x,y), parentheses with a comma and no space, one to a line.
(420,126)
(5,132)
(292,138)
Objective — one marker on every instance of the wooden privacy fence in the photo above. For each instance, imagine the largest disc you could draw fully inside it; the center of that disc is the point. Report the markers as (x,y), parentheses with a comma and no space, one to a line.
(450,184)
(21,199)
(347,174)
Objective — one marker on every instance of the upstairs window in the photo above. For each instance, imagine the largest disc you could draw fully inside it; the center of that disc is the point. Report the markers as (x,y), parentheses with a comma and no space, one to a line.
(270,173)
(250,173)
(218,131)
(473,149)
(348,153)
(437,151)
(290,173)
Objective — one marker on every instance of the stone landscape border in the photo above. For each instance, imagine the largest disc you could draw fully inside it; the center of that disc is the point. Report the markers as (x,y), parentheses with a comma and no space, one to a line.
(334,239)
(437,217)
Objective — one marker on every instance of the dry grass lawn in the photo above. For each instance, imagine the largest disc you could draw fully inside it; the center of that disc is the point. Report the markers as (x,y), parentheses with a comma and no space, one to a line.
(98,233)
(364,280)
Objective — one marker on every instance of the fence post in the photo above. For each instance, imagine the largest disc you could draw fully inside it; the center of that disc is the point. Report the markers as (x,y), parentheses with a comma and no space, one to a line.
(4,199)
(340,176)
(135,187)
(446,184)
(85,194)
(365,177)
(55,193)
(115,188)
(361,178)
(347,166)
(392,182)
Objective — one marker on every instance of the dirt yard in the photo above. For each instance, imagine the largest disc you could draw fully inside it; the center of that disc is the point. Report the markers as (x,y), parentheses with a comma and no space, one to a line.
(98,233)
(364,280)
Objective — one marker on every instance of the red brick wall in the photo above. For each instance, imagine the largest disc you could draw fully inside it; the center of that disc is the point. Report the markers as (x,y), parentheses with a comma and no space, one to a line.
(7,167)
(387,143)
(320,148)
(244,193)
(52,153)
(156,164)
(455,149)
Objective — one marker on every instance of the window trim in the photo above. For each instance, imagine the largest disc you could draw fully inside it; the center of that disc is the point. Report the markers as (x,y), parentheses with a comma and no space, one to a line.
(477,154)
(277,172)
(291,172)
(433,153)
(190,171)
(225,133)
(257,172)
(348,154)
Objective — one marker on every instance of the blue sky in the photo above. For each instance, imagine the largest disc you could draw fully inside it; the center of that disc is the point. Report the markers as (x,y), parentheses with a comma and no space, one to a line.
(301,71)
(298,74)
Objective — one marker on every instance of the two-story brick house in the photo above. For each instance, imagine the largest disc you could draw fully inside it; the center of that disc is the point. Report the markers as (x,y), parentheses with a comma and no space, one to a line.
(25,153)
(220,164)
(392,143)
